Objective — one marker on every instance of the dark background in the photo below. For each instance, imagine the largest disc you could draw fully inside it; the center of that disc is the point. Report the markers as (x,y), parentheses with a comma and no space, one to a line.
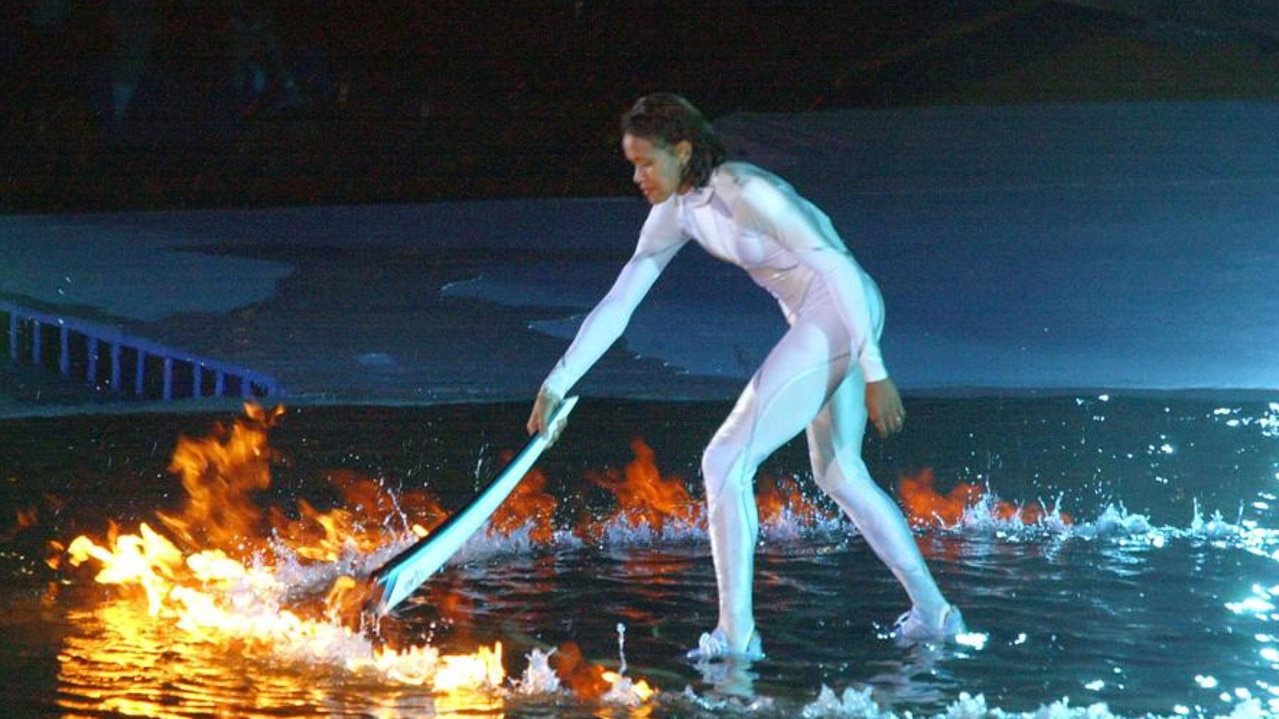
(242,103)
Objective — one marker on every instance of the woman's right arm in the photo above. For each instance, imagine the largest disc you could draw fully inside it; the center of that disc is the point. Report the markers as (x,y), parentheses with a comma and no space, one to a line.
(659,241)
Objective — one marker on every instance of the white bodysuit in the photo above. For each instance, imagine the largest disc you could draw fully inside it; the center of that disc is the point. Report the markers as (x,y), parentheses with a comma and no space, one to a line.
(813,379)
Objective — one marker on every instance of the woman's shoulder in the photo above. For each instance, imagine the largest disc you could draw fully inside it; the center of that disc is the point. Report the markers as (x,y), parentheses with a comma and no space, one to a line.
(740,171)
(736,178)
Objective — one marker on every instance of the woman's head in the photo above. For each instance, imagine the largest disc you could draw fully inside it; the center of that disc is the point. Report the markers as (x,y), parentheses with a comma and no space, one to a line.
(670,143)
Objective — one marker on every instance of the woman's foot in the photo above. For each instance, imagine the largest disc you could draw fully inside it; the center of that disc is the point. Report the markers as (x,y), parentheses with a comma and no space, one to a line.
(914,628)
(714,645)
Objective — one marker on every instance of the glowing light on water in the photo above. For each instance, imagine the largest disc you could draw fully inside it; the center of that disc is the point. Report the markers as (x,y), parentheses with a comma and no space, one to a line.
(1207,682)
(1259,604)
(972,640)
(859,703)
(1267,422)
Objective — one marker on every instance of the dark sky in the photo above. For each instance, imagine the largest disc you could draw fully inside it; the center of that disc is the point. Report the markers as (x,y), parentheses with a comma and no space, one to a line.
(179,103)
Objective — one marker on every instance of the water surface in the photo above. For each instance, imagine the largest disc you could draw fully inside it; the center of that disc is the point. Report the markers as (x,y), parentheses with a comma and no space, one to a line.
(1148,587)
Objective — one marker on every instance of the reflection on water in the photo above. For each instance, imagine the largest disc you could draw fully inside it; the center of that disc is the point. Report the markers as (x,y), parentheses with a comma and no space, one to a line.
(122,660)
(1144,583)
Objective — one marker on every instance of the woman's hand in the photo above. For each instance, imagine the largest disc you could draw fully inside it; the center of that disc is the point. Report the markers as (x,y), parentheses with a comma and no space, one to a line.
(539,421)
(885,406)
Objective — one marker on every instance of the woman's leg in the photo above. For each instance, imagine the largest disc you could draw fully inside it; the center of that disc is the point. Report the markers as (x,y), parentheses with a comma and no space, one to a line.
(834,447)
(782,398)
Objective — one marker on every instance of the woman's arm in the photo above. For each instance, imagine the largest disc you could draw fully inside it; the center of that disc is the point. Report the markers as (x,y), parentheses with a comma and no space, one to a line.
(659,241)
(606,322)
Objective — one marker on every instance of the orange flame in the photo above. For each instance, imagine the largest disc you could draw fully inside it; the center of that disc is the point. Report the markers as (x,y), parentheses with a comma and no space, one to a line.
(645,497)
(481,669)
(219,474)
(27,518)
(219,598)
(209,571)
(580,676)
(147,560)
(592,681)
(528,503)
(360,523)
(925,506)
(781,500)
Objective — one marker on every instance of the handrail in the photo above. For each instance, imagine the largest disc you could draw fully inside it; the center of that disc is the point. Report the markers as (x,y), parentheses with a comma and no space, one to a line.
(26,332)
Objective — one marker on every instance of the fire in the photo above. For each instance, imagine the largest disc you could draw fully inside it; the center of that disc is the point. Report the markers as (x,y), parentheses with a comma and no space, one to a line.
(529,505)
(926,506)
(360,524)
(645,498)
(483,668)
(147,560)
(209,576)
(780,500)
(214,594)
(594,682)
(223,572)
(220,473)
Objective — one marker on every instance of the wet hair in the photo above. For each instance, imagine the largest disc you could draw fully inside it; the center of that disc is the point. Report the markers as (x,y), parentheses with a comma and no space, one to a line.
(666,119)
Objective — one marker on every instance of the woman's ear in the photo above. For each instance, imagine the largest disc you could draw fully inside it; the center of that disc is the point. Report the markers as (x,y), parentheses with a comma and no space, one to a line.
(683,152)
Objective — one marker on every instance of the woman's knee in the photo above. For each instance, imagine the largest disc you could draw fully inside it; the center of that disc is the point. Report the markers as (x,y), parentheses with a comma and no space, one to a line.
(725,470)
(845,478)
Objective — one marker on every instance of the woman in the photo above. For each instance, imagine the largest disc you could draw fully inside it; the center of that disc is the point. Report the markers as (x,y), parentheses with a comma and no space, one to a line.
(825,376)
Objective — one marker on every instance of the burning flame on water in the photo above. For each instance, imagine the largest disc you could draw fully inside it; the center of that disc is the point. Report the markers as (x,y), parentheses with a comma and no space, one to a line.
(645,498)
(782,501)
(209,574)
(529,505)
(926,506)
(262,583)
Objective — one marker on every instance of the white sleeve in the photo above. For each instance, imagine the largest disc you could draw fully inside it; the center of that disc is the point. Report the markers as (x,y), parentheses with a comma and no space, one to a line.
(660,240)
(807,232)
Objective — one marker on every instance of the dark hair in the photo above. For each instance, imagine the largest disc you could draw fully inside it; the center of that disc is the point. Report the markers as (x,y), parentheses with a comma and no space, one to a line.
(666,119)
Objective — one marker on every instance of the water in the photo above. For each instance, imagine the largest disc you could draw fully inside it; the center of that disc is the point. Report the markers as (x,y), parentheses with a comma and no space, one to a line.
(1149,589)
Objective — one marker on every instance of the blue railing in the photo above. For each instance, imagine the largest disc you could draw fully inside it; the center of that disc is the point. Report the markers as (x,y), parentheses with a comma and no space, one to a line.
(105,358)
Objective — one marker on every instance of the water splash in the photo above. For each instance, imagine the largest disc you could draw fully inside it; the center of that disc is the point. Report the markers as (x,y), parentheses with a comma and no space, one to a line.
(859,704)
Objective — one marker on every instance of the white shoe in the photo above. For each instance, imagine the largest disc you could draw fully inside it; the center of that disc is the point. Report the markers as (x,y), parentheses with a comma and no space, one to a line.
(714,645)
(911,629)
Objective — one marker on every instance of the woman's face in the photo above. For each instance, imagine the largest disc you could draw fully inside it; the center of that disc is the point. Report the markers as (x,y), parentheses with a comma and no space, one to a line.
(658,170)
